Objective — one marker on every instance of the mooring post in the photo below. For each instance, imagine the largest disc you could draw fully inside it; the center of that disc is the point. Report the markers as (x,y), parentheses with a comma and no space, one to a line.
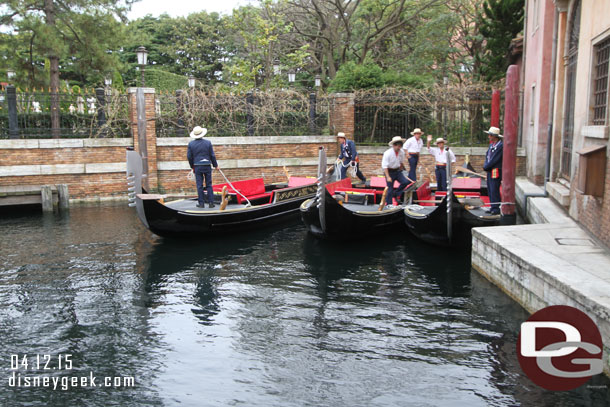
(509,158)
(46,194)
(495,108)
(11,99)
(64,197)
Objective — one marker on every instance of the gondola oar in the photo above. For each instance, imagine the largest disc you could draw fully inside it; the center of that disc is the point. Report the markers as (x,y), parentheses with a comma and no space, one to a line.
(382,203)
(467,171)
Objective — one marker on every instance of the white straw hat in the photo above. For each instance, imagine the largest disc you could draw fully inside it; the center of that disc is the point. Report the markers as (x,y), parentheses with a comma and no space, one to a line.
(494,131)
(397,139)
(417,131)
(340,134)
(198,132)
(440,140)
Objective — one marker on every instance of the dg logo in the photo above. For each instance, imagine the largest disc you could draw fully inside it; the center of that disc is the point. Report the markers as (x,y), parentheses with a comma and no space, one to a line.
(560,348)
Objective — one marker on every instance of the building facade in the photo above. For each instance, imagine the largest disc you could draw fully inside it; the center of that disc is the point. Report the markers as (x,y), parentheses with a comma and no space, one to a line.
(565,115)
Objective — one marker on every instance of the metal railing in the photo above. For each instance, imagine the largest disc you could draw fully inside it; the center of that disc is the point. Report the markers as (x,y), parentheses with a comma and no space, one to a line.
(273,113)
(99,113)
(459,114)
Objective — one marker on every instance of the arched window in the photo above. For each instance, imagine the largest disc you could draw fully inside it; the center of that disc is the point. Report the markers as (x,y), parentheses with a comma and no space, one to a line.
(568,118)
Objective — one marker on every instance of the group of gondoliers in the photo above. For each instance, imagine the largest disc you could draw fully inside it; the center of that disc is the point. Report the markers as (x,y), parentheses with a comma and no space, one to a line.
(401,150)
(201,158)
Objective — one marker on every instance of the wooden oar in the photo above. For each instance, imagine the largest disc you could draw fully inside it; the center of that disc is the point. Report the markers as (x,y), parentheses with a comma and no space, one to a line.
(467,171)
(382,203)
(427,201)
(432,177)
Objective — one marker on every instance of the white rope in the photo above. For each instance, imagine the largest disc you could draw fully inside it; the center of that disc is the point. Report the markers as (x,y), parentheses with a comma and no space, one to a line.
(234,189)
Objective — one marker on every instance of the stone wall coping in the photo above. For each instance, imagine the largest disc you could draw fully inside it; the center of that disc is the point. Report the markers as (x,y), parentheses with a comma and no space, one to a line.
(65,143)
(242,163)
(57,169)
(424,151)
(245,140)
(146,90)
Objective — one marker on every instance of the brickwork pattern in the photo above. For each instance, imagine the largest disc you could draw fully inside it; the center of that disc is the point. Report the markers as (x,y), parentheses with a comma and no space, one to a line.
(594,213)
(341,115)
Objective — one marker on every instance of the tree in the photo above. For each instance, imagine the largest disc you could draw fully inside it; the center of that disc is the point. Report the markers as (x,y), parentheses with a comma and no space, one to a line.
(82,33)
(500,22)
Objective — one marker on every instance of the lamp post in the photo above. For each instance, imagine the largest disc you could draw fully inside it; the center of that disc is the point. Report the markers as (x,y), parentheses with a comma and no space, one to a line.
(142,54)
(291,76)
(318,81)
(191,81)
(107,84)
(277,69)
(10,74)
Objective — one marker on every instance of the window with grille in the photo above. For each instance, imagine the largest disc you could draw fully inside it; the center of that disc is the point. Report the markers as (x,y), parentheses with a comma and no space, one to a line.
(600,82)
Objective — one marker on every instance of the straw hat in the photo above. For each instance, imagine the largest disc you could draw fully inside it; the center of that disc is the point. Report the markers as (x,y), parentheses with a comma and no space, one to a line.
(494,131)
(416,131)
(397,139)
(198,132)
(440,140)
(340,134)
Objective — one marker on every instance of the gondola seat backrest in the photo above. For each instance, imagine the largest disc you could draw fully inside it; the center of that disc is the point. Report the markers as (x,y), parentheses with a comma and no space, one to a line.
(253,189)
(380,182)
(300,181)
(344,183)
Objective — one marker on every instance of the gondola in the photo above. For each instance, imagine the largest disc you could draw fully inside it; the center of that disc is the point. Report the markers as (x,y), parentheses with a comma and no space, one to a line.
(446,218)
(240,206)
(340,211)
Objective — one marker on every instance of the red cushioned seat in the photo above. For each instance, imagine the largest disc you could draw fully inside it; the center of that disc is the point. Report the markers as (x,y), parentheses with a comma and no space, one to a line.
(300,181)
(344,183)
(251,188)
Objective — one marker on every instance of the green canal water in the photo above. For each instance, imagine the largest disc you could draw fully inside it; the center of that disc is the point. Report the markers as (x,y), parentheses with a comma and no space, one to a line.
(272,318)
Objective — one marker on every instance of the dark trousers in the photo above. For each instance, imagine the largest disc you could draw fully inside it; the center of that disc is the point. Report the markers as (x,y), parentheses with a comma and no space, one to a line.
(441,178)
(201,172)
(395,175)
(493,189)
(413,160)
(359,173)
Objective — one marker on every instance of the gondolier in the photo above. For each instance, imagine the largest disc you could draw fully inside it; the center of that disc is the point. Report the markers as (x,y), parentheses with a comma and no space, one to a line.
(201,158)
(493,167)
(393,165)
(413,147)
(440,157)
(349,157)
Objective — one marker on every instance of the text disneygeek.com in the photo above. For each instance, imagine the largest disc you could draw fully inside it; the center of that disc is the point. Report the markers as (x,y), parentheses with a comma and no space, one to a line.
(44,370)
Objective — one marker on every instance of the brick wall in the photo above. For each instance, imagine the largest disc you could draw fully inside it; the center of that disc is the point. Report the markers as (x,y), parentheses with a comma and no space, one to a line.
(341,115)
(594,213)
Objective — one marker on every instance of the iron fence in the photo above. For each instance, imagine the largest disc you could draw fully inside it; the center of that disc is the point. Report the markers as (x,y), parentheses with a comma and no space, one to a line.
(459,114)
(99,113)
(272,113)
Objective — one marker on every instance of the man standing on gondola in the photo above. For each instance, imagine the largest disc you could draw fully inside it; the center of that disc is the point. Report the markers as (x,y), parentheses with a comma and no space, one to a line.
(440,157)
(201,157)
(493,167)
(348,157)
(413,147)
(393,166)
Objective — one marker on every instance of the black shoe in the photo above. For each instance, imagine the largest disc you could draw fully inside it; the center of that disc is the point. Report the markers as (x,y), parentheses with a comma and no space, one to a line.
(212,205)
(200,206)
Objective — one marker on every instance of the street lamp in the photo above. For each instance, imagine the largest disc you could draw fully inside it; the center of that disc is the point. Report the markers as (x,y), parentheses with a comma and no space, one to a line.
(318,81)
(10,74)
(191,81)
(108,81)
(142,54)
(277,70)
(291,76)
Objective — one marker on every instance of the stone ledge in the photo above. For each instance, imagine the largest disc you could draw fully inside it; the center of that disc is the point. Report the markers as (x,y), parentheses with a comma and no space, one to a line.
(65,143)
(559,193)
(244,140)
(456,150)
(245,163)
(61,169)
(548,264)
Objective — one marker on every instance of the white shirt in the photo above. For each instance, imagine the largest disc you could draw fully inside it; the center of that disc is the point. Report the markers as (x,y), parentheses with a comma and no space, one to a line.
(441,156)
(392,160)
(414,145)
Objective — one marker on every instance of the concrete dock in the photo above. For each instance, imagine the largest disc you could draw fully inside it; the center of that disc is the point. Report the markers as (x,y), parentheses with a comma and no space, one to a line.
(555,262)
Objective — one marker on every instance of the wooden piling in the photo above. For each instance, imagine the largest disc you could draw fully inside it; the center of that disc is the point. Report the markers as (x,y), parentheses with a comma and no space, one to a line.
(46,194)
(64,197)
(511,133)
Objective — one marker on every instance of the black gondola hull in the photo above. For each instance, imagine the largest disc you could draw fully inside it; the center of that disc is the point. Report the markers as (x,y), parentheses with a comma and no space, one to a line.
(342,223)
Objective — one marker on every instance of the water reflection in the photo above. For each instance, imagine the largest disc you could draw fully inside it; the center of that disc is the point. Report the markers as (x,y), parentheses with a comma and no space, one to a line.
(272,318)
